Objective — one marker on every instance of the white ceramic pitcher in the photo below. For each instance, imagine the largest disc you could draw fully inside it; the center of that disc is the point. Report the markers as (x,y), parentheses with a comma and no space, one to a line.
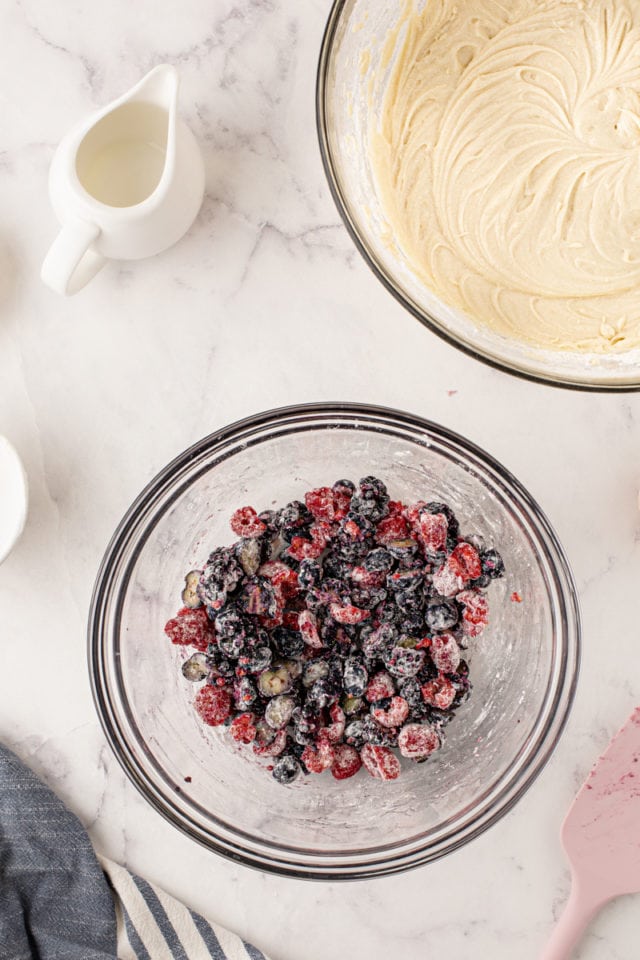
(126,183)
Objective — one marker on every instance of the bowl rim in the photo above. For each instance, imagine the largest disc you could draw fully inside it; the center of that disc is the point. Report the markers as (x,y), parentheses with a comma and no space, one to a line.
(393,287)
(513,784)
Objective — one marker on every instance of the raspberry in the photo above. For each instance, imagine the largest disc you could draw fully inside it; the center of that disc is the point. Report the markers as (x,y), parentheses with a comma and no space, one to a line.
(395,507)
(272,748)
(243,728)
(348,614)
(445,653)
(395,714)
(447,580)
(439,693)
(308,627)
(417,741)
(321,503)
(380,687)
(246,523)
(317,761)
(368,578)
(465,561)
(335,730)
(302,549)
(475,616)
(346,762)
(380,762)
(392,528)
(191,628)
(291,619)
(432,528)
(281,576)
(341,503)
(213,704)
(321,533)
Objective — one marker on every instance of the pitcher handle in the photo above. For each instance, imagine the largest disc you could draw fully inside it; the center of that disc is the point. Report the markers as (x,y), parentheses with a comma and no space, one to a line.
(71,262)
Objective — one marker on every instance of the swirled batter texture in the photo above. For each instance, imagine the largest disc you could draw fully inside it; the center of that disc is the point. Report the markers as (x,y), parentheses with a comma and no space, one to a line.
(508,163)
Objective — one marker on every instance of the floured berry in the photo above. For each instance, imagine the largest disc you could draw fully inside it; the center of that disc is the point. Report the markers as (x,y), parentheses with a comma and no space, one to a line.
(380,762)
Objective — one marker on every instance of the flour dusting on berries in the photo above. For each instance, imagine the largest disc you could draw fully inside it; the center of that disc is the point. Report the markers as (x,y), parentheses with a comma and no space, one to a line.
(330,636)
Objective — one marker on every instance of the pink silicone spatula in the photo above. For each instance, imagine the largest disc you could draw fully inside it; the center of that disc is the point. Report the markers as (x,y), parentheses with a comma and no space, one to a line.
(601,837)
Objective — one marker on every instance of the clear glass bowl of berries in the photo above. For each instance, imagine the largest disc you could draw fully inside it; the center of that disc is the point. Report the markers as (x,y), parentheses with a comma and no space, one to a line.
(334,641)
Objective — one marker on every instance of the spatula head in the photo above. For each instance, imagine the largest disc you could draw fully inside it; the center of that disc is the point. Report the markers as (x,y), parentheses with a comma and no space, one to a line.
(601,832)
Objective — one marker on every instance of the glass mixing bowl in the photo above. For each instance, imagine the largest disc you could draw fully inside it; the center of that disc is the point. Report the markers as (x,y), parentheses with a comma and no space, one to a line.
(523,668)
(347,97)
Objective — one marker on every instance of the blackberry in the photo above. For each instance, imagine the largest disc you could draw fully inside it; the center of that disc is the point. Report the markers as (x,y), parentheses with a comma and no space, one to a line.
(344,486)
(293,518)
(232,646)
(321,694)
(220,576)
(374,489)
(374,510)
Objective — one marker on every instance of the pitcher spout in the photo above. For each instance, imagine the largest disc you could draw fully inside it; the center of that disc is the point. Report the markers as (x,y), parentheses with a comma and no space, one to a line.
(159,86)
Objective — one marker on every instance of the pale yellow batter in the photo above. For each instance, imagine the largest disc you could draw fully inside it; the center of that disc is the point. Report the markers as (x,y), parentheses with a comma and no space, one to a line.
(508,163)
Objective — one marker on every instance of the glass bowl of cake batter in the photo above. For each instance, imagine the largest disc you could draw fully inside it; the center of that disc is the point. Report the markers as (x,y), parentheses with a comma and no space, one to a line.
(485,158)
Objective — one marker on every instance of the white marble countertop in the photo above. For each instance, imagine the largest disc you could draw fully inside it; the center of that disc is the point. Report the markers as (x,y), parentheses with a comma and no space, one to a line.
(99,391)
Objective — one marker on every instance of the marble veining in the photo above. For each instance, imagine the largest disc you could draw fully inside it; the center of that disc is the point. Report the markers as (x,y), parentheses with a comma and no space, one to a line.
(265,302)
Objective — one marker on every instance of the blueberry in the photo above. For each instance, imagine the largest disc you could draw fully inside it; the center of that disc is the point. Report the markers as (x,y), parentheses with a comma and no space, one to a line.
(403,662)
(354,734)
(379,560)
(190,597)
(373,733)
(315,670)
(355,677)
(288,643)
(251,553)
(321,694)
(195,668)
(309,573)
(271,683)
(257,659)
(404,551)
(411,691)
(380,641)
(286,769)
(367,597)
(278,711)
(336,567)
(409,602)
(441,615)
(492,564)
(352,705)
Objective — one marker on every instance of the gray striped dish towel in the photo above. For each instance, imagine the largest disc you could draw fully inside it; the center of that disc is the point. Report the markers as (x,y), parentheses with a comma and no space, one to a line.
(59,902)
